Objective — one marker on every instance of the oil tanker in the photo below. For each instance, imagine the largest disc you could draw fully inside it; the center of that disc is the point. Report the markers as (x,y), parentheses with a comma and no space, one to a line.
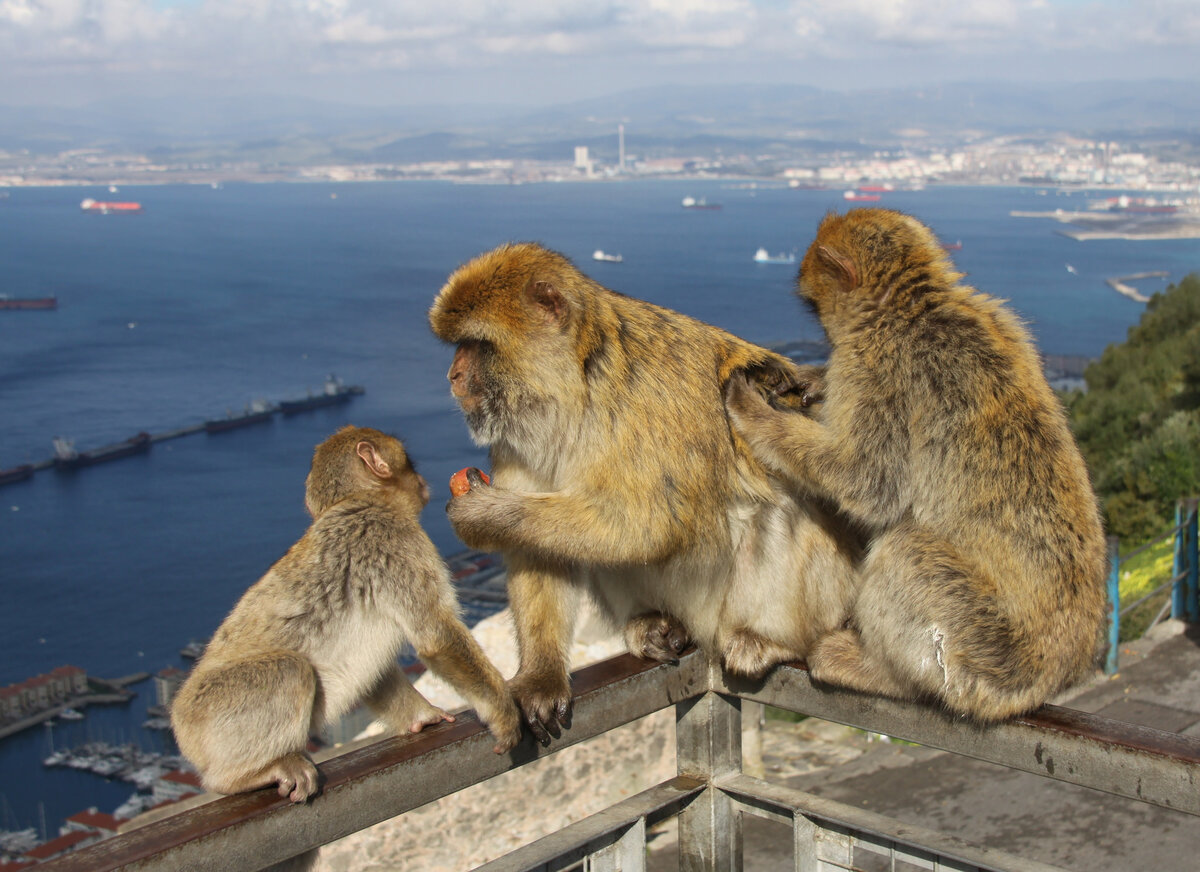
(107,207)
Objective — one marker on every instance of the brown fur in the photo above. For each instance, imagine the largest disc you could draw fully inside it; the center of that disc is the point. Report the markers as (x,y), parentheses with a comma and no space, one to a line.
(615,471)
(983,586)
(322,629)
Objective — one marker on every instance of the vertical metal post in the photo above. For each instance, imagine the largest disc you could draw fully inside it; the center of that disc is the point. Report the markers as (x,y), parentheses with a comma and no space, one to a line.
(708,743)
(1114,604)
(1192,527)
(626,854)
(1179,566)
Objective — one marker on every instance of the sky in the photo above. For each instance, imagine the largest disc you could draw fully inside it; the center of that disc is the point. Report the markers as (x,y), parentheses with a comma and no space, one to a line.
(531,52)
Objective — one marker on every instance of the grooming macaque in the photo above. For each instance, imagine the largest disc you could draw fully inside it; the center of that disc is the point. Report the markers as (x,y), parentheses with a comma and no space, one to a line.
(983,582)
(615,471)
(321,631)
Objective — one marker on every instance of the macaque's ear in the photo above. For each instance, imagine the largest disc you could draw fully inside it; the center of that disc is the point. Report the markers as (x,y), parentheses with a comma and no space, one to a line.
(841,267)
(550,301)
(373,459)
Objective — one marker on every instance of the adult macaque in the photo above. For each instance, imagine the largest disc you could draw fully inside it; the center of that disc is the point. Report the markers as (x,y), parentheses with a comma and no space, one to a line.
(322,629)
(615,472)
(983,586)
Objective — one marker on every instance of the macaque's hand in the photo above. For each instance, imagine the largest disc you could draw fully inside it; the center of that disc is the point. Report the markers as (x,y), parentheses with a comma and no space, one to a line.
(545,701)
(474,509)
(745,403)
(656,636)
(427,717)
(809,387)
(466,479)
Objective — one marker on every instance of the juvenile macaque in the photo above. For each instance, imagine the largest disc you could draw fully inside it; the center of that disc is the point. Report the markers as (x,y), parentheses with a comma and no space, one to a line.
(983,583)
(615,472)
(322,629)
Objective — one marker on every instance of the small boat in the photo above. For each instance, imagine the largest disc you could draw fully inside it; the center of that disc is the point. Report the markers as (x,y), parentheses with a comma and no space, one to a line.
(192,650)
(764,256)
(856,197)
(1072,270)
(70,714)
(599,254)
(693,203)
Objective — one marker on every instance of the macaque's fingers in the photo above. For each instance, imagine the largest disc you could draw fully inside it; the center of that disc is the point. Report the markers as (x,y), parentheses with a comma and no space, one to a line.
(433,716)
(465,479)
(545,703)
(296,776)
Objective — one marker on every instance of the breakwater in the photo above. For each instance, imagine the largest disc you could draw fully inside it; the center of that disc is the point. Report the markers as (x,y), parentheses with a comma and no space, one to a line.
(66,457)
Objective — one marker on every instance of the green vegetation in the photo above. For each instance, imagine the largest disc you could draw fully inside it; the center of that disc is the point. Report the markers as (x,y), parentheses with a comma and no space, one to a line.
(1138,424)
(1140,575)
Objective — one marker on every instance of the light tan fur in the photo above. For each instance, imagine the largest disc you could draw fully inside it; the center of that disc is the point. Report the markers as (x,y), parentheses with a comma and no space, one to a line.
(615,472)
(983,586)
(322,630)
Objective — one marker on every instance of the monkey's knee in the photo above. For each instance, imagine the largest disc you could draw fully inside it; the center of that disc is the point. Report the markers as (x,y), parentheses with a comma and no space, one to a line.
(839,658)
(656,636)
(752,655)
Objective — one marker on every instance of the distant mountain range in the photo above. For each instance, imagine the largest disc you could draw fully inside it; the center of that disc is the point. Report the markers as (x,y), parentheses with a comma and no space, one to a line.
(659,121)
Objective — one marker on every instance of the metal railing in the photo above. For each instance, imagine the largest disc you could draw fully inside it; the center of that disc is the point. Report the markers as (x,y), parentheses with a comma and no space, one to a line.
(709,795)
(1184,602)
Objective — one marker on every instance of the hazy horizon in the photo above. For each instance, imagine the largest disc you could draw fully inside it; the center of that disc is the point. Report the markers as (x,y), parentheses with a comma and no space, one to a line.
(528,54)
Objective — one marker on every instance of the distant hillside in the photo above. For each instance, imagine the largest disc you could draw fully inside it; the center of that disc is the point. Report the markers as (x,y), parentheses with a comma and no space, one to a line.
(1139,422)
(660,120)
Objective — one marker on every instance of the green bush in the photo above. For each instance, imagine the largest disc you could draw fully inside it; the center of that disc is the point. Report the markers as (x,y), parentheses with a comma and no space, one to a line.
(1138,424)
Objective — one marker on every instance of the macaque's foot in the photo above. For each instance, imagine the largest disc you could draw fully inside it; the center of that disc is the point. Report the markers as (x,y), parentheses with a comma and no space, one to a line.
(296,776)
(505,726)
(656,636)
(545,702)
(752,655)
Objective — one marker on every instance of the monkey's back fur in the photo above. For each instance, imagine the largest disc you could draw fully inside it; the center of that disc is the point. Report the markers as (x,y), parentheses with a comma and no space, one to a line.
(614,463)
(984,582)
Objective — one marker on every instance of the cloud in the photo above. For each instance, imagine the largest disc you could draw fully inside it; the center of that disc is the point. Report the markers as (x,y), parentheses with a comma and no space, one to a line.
(225,39)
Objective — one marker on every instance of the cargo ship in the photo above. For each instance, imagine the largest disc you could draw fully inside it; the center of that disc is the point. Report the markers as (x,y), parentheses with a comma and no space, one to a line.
(16,473)
(257,412)
(333,393)
(106,207)
(66,457)
(7,302)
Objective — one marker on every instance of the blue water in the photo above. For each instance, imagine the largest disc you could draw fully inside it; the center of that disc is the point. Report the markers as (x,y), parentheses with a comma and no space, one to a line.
(212,298)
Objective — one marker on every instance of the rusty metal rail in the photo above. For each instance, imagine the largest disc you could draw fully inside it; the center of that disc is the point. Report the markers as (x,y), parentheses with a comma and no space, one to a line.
(380,780)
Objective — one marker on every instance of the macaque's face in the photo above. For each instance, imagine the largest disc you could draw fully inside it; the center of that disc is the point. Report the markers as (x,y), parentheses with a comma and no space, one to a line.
(476,382)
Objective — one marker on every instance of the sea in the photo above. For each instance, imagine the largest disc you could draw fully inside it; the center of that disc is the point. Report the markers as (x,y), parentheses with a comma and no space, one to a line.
(213,297)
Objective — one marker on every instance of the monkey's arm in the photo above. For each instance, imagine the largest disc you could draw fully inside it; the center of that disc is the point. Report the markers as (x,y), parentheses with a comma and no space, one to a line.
(569,526)
(787,442)
(446,646)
